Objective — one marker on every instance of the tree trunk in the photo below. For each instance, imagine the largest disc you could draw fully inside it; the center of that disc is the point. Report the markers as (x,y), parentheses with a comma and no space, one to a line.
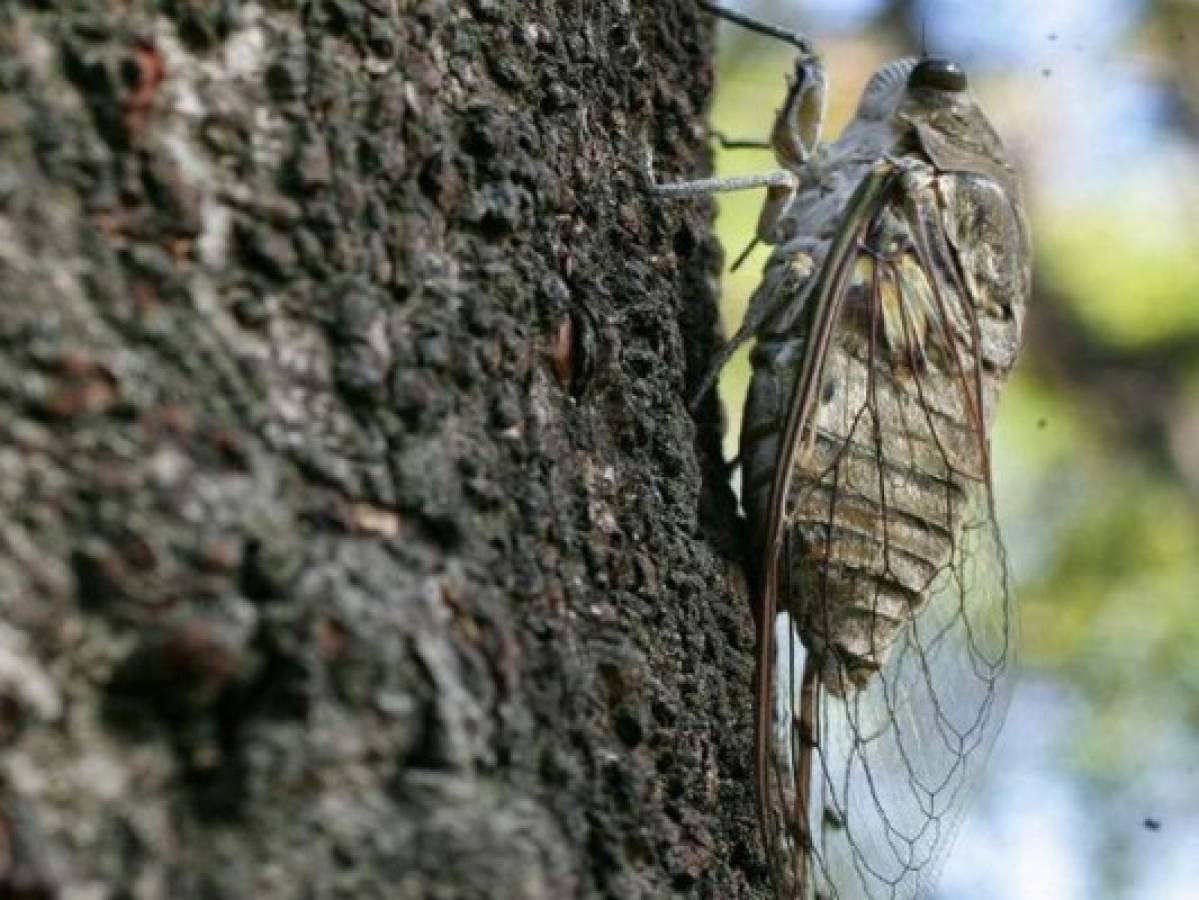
(357,540)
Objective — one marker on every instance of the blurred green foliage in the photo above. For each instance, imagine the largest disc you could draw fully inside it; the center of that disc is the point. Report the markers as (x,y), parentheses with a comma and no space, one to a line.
(1128,275)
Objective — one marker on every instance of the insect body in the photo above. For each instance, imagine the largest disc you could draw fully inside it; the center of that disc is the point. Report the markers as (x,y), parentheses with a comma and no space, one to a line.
(887,321)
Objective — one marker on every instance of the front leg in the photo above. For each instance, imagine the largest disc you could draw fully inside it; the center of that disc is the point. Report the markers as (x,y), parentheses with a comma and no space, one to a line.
(780,184)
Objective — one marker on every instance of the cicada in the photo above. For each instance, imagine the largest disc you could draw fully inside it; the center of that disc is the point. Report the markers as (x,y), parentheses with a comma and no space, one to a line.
(887,322)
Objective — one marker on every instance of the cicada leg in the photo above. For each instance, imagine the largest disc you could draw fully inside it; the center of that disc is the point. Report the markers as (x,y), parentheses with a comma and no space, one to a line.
(799,41)
(728,143)
(778,178)
(795,140)
(781,185)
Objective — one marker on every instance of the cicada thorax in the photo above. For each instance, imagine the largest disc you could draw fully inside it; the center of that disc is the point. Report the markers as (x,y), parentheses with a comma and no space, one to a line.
(895,457)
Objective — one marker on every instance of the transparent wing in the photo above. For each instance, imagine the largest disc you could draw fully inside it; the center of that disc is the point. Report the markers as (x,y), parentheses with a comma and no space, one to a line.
(893,639)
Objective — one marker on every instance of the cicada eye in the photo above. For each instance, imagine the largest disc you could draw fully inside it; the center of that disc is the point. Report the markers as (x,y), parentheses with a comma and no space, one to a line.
(938,74)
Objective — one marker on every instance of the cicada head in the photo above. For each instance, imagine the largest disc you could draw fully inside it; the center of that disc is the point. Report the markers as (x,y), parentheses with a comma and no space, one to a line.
(950,126)
(933,73)
(926,103)
(935,93)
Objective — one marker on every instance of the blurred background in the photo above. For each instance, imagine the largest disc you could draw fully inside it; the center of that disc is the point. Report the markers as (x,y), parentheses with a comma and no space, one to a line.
(1093,792)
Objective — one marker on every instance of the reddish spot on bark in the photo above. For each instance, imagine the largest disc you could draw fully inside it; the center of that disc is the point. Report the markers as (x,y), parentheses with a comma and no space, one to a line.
(559,354)
(219,556)
(555,597)
(85,389)
(148,72)
(196,659)
(332,638)
(181,249)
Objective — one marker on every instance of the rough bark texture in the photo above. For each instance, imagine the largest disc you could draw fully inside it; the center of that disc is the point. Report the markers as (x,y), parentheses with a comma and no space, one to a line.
(356,540)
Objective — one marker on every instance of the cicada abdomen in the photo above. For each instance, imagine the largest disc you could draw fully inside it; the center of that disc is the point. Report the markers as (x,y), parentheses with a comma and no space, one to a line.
(888,319)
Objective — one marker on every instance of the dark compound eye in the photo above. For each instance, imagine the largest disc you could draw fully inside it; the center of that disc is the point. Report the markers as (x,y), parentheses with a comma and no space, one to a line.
(939,74)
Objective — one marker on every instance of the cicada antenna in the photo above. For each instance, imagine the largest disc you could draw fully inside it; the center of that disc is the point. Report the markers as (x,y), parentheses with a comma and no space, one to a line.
(799,41)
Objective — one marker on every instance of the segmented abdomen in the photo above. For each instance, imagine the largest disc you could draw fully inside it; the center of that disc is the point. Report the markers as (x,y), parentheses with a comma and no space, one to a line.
(876,500)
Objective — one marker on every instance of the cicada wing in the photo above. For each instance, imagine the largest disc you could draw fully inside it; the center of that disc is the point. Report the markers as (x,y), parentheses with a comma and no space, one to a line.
(865,777)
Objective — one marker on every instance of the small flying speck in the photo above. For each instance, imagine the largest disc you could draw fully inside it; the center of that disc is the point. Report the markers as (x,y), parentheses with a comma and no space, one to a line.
(1152,824)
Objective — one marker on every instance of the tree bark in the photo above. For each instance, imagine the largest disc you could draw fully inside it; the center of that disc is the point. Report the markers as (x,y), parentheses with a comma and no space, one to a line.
(357,540)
